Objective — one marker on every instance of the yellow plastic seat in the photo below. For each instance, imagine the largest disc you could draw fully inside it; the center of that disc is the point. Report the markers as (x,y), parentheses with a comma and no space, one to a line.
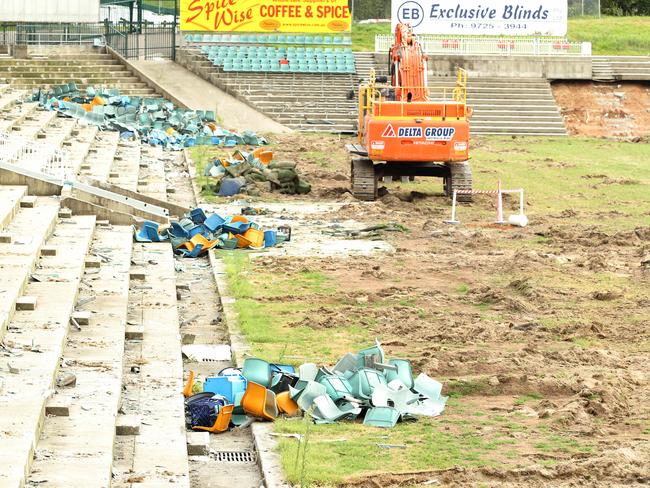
(260,402)
(286,404)
(222,422)
(187,391)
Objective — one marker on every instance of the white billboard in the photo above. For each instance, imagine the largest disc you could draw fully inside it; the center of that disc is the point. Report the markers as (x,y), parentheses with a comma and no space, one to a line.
(49,10)
(476,17)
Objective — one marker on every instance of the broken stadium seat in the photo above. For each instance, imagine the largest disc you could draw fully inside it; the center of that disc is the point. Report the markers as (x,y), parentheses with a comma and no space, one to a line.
(259,401)
(222,422)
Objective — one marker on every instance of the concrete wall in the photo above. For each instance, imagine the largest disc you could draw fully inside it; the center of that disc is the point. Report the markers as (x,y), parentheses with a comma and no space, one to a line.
(551,68)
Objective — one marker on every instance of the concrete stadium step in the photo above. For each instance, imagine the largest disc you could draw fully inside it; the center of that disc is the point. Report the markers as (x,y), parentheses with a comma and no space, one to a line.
(125,171)
(10,197)
(513,117)
(96,68)
(41,334)
(152,181)
(11,62)
(336,128)
(517,130)
(476,124)
(522,102)
(101,154)
(15,114)
(34,123)
(9,96)
(78,144)
(57,131)
(160,451)
(94,355)
(621,68)
(27,232)
(128,81)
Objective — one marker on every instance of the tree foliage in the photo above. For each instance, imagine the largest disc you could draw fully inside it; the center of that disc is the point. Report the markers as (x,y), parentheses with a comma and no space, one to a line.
(625,7)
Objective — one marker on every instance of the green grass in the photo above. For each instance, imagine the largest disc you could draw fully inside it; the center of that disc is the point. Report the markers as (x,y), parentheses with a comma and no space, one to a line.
(558,174)
(622,36)
(274,328)
(343,450)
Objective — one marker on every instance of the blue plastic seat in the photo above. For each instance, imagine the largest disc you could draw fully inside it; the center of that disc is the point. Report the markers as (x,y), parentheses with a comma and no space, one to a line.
(149,233)
(197,215)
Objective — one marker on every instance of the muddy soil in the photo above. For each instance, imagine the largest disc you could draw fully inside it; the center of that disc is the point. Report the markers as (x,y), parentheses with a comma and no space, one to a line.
(620,110)
(557,310)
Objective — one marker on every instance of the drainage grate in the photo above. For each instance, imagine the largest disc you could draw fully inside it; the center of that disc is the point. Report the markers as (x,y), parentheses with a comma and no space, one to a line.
(235,456)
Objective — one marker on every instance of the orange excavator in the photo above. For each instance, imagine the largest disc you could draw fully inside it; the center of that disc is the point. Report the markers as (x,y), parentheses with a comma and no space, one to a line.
(404,132)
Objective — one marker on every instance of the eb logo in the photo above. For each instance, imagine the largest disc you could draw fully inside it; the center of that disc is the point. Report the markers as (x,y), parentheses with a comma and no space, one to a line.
(410,13)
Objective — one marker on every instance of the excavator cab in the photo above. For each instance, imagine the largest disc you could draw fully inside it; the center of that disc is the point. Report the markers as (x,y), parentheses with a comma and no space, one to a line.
(405,132)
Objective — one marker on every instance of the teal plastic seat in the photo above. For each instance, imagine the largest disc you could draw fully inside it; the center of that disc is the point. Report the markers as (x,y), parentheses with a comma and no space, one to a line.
(305,396)
(258,371)
(327,40)
(326,412)
(317,40)
(364,381)
(337,386)
(385,417)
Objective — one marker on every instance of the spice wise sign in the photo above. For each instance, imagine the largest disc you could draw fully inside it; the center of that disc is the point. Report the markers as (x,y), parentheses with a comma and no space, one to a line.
(323,16)
(487,17)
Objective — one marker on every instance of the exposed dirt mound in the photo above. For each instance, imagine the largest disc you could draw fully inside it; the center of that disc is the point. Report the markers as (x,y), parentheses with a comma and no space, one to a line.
(605,110)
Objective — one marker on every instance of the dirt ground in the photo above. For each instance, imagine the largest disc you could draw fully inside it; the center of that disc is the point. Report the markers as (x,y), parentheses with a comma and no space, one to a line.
(556,313)
(605,109)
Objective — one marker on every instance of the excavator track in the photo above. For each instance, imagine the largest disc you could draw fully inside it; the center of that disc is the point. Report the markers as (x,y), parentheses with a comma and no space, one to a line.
(364,179)
(460,178)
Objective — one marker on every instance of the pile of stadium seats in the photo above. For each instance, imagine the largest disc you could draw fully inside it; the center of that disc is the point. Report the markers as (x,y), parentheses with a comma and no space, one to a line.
(268,39)
(155,120)
(267,59)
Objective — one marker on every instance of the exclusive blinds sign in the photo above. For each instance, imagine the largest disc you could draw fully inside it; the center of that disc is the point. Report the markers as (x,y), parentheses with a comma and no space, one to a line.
(476,17)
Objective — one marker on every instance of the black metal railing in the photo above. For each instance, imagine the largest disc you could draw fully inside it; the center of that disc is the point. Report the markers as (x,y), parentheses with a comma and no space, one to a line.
(132,41)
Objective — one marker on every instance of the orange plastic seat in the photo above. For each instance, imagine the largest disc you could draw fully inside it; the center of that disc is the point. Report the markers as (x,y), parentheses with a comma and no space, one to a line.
(286,404)
(222,422)
(255,237)
(239,218)
(260,402)
(196,240)
(263,155)
(187,391)
(242,241)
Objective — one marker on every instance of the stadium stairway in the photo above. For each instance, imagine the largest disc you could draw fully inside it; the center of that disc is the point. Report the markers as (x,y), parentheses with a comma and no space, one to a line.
(301,101)
(621,68)
(69,289)
(82,68)
(502,106)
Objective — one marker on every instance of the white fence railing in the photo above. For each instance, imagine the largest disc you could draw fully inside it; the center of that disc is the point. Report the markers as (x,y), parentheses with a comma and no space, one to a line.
(460,45)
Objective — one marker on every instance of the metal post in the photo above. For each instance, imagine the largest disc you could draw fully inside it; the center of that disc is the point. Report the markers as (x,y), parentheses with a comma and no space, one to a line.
(176,6)
(453,210)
